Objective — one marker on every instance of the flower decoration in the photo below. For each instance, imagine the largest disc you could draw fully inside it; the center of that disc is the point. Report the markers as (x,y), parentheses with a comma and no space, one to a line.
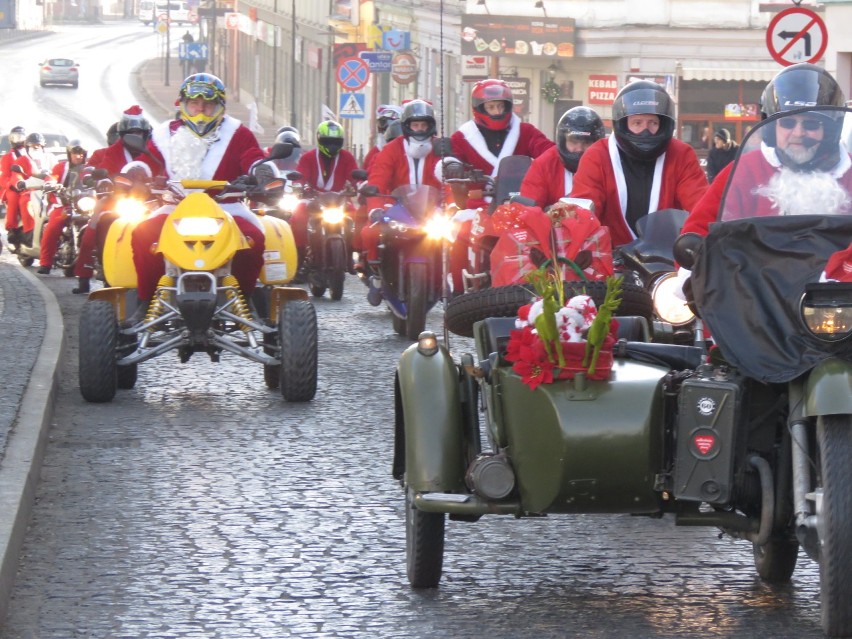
(557,338)
(550,91)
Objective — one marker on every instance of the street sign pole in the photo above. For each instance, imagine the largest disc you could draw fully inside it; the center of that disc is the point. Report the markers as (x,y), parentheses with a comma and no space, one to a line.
(168,38)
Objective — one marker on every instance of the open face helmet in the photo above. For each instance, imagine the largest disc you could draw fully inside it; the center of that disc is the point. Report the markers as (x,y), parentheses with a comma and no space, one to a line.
(418,111)
(75,146)
(643,97)
(36,140)
(17,137)
(386,114)
(207,87)
(486,91)
(580,124)
(330,138)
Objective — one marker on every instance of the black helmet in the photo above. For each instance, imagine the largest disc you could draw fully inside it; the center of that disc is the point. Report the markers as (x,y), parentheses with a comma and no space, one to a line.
(643,97)
(132,121)
(17,137)
(75,146)
(393,130)
(418,111)
(36,139)
(112,134)
(581,124)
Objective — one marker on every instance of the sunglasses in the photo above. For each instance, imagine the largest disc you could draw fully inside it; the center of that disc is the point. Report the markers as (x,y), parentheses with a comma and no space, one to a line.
(807,125)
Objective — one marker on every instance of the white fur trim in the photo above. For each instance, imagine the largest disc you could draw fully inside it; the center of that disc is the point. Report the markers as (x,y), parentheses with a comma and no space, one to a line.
(621,183)
(216,151)
(569,182)
(476,140)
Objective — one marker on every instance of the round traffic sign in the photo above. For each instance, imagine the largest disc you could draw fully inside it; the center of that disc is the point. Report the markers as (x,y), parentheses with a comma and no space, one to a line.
(404,68)
(353,73)
(796,35)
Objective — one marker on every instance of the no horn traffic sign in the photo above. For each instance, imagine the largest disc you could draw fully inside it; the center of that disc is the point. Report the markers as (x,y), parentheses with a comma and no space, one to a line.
(796,35)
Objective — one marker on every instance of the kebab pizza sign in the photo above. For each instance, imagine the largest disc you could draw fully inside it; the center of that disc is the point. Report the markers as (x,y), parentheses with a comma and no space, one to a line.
(602,89)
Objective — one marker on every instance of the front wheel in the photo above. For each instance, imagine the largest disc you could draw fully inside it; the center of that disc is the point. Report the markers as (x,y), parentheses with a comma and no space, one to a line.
(337,268)
(834,523)
(297,336)
(98,341)
(416,304)
(775,561)
(424,546)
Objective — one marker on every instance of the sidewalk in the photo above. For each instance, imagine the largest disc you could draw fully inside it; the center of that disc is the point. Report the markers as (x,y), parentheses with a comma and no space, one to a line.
(158,99)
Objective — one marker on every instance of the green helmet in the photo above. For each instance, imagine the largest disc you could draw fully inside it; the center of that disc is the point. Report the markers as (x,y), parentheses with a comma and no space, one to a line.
(330,138)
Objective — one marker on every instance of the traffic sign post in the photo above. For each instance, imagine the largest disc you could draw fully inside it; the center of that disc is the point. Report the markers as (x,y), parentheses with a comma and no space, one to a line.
(353,74)
(796,35)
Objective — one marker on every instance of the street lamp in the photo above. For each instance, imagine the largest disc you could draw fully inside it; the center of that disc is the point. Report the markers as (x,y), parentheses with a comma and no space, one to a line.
(293,66)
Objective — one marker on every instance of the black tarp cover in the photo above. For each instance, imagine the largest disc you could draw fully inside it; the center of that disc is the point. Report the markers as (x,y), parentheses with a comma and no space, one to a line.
(748,281)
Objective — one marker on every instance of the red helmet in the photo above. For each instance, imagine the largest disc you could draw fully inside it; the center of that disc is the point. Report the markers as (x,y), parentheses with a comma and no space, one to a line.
(486,91)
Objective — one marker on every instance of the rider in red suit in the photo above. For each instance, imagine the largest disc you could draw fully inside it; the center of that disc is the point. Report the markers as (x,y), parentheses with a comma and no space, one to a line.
(661,172)
(34,161)
(494,133)
(385,114)
(551,175)
(112,159)
(8,178)
(201,143)
(67,173)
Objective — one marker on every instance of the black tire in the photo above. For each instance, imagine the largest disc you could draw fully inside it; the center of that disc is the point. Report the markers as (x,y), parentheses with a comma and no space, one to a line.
(126,376)
(337,268)
(504,301)
(26,261)
(317,291)
(398,324)
(297,335)
(271,372)
(776,560)
(98,341)
(424,546)
(416,302)
(834,523)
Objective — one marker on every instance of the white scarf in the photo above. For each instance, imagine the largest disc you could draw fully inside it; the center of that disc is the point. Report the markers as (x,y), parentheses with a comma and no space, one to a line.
(415,168)
(320,180)
(621,183)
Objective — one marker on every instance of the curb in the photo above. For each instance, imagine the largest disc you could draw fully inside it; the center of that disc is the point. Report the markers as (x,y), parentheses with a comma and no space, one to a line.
(20,469)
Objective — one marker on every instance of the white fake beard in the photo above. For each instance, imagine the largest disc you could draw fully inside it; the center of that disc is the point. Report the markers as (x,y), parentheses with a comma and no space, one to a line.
(186,154)
(801,156)
(418,149)
(813,193)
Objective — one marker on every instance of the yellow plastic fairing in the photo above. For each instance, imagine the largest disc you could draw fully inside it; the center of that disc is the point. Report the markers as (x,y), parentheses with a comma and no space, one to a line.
(118,255)
(199,236)
(280,259)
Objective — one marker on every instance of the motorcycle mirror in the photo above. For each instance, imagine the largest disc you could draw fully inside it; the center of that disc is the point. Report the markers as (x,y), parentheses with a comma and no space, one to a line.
(280,151)
(359,175)
(442,147)
(369,190)
(685,247)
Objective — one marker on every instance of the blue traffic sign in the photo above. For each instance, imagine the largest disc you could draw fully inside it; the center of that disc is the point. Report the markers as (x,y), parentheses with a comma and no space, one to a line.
(353,73)
(192,51)
(352,105)
(379,61)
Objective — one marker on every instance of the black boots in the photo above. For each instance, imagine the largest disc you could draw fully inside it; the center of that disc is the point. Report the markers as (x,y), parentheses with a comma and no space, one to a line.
(82,286)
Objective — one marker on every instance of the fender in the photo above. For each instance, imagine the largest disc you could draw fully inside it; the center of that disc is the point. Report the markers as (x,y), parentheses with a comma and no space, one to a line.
(828,389)
(432,421)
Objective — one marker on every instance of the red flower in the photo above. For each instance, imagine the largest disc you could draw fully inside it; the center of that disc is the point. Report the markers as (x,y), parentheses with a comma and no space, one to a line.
(524,312)
(535,373)
(530,359)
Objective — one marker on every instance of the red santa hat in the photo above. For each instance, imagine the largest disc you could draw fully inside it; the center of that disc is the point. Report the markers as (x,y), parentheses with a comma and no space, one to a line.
(839,267)
(134,110)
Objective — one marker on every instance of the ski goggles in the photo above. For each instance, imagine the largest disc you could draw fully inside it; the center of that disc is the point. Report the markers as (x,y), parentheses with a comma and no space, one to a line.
(203,90)
(809,124)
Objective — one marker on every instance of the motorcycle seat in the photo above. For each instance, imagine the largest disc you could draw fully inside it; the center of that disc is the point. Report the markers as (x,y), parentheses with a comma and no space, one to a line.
(675,356)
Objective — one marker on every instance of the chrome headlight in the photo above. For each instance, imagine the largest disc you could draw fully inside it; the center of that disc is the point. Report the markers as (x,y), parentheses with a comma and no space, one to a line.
(440,227)
(668,306)
(827,310)
(195,226)
(332,215)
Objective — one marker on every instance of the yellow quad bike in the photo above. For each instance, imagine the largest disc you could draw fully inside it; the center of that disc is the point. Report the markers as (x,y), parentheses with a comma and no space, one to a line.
(198,305)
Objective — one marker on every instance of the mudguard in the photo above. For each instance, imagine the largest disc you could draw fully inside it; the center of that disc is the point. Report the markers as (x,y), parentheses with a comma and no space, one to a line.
(280,259)
(828,390)
(433,422)
(118,255)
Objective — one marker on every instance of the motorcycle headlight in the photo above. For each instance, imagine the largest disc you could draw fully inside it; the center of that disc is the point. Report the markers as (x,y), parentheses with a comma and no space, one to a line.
(130,208)
(827,310)
(399,227)
(667,305)
(440,227)
(86,204)
(332,215)
(195,226)
(288,202)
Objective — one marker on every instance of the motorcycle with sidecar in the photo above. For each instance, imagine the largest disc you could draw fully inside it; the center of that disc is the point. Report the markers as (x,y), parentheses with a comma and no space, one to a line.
(753,437)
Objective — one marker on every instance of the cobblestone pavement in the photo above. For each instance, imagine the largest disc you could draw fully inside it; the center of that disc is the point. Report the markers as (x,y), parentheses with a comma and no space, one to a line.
(201,505)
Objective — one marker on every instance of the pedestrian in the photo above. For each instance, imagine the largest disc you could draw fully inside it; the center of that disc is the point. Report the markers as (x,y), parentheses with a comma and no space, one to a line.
(723,152)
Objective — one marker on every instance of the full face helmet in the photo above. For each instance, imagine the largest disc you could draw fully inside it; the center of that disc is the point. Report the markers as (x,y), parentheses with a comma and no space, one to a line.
(638,98)
(289,135)
(486,91)
(797,87)
(36,140)
(580,124)
(418,111)
(132,121)
(75,146)
(386,114)
(17,137)
(209,88)
(329,138)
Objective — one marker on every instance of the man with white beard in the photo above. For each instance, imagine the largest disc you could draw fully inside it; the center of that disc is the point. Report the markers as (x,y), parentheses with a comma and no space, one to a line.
(202,143)
(801,165)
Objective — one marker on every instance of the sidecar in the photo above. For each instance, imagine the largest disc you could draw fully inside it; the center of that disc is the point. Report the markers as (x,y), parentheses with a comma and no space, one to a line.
(199,307)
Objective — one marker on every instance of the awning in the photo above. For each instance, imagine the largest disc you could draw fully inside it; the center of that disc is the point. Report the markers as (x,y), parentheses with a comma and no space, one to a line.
(748,70)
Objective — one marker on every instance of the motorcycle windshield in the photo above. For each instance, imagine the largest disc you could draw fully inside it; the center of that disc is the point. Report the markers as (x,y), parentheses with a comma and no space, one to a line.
(787,207)
(510,174)
(419,200)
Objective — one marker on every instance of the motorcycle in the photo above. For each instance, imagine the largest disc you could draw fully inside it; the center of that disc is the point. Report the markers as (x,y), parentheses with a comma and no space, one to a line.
(198,305)
(415,235)
(45,196)
(753,437)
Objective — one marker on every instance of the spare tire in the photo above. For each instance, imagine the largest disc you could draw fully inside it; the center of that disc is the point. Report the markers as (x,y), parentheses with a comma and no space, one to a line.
(504,301)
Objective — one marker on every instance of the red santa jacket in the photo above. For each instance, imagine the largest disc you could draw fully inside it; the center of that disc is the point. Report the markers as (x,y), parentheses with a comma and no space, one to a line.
(755,168)
(547,179)
(368,159)
(393,167)
(7,176)
(230,156)
(111,158)
(336,178)
(523,139)
(679,183)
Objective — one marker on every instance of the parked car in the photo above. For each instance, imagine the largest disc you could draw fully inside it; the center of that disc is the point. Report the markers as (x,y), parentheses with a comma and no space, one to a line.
(55,144)
(59,71)
(177,12)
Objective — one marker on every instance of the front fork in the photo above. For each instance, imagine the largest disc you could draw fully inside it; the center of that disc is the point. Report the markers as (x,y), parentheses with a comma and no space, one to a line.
(805,495)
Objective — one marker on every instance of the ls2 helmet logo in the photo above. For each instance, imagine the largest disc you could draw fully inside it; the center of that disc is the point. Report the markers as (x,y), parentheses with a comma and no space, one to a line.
(706,406)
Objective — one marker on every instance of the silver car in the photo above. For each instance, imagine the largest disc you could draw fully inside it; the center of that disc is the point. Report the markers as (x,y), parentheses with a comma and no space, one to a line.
(58,71)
